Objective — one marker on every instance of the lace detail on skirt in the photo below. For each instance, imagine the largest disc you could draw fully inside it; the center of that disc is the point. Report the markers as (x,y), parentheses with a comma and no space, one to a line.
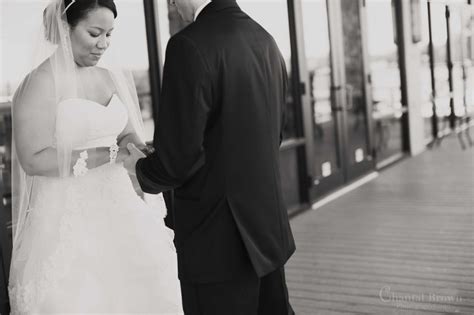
(25,297)
(94,248)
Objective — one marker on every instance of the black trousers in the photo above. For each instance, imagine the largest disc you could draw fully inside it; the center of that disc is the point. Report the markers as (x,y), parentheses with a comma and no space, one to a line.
(246,295)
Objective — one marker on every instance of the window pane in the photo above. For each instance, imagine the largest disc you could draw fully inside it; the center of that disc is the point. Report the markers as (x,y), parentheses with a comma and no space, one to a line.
(386,81)
(16,50)
(169,23)
(130,39)
(317,52)
(163,26)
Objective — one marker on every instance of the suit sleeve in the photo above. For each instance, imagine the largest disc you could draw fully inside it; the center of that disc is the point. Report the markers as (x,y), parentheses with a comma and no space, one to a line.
(182,117)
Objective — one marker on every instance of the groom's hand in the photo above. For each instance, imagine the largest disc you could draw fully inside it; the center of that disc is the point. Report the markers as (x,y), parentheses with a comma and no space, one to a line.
(131,162)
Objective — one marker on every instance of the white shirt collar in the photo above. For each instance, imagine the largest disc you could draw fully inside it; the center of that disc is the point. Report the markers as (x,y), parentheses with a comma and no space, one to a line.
(200,9)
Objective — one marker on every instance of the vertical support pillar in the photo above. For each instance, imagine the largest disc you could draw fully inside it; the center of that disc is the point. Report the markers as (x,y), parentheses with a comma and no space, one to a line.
(449,61)
(471,29)
(5,251)
(300,87)
(434,117)
(153,53)
(353,44)
(411,59)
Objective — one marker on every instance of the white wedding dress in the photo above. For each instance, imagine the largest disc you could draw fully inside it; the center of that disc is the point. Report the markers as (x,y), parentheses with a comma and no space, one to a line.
(107,251)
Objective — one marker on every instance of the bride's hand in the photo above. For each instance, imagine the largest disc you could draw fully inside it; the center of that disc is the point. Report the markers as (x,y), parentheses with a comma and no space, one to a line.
(122,155)
(131,161)
(146,149)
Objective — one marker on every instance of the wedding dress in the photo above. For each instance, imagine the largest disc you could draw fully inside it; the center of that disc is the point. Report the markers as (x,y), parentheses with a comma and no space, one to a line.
(107,251)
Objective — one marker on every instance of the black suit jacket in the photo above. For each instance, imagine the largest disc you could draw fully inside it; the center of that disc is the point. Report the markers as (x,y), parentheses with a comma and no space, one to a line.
(217,144)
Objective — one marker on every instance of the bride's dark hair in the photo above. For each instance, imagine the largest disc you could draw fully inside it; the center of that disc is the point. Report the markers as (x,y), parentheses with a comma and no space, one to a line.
(76,11)
(80,8)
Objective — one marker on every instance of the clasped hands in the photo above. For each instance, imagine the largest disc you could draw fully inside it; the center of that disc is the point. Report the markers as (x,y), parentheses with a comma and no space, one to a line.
(130,154)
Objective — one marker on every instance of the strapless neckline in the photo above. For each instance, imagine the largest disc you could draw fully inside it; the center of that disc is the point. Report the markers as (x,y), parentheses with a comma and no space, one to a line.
(87,101)
(83,123)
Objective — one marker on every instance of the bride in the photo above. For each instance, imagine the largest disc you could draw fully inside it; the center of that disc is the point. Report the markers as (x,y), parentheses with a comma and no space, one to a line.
(84,242)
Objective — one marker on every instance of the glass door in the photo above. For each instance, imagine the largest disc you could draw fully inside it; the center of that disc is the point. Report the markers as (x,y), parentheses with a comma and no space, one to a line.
(385,79)
(333,70)
(355,85)
(325,143)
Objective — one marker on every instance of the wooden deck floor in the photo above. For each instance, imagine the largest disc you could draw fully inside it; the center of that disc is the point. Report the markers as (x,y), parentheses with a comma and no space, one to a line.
(401,244)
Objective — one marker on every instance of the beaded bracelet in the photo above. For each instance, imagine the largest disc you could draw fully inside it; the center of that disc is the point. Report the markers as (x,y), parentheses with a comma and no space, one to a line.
(80,168)
(114,148)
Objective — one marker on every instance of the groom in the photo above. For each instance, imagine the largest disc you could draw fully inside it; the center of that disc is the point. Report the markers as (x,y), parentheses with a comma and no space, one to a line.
(217,144)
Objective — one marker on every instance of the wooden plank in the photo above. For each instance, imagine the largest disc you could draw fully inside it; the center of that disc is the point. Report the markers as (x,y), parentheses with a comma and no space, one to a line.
(409,232)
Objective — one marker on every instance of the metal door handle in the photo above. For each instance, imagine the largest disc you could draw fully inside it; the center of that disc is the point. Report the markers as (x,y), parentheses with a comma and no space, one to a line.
(335,103)
(349,96)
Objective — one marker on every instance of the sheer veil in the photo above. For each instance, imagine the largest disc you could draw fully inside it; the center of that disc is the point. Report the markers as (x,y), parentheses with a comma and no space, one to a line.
(55,77)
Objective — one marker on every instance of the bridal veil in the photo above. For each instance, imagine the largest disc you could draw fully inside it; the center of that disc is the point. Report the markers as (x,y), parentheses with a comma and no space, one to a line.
(54,78)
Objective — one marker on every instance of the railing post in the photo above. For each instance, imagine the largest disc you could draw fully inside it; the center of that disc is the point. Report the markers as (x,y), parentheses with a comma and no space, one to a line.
(434,117)
(450,63)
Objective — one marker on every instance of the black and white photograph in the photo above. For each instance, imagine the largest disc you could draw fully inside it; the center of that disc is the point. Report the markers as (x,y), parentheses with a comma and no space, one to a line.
(236,157)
